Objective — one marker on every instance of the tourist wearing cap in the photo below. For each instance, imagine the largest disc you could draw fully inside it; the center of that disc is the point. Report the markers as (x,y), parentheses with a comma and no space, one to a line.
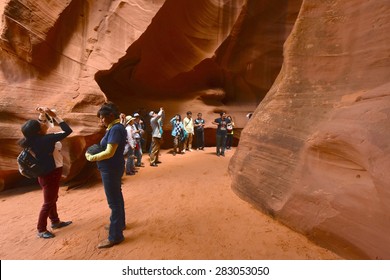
(130,145)
(155,123)
(138,136)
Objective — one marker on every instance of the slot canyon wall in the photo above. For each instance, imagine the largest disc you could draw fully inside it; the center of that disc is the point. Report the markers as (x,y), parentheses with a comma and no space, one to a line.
(198,55)
(314,154)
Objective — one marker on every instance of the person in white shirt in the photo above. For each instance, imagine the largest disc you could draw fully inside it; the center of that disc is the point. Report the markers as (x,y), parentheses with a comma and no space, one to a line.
(188,124)
(130,145)
(155,123)
(138,136)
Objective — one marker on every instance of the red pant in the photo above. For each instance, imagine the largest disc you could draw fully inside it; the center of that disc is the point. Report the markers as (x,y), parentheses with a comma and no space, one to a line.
(50,184)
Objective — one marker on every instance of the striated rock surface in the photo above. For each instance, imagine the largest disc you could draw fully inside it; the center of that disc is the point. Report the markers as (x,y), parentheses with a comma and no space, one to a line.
(315,154)
(49,55)
(142,54)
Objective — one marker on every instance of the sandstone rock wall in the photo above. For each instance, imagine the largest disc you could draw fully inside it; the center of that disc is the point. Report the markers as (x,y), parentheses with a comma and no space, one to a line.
(315,155)
(171,65)
(49,55)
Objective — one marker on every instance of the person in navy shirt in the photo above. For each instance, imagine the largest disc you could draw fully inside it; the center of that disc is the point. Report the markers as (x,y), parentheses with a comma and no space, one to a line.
(222,123)
(199,124)
(111,165)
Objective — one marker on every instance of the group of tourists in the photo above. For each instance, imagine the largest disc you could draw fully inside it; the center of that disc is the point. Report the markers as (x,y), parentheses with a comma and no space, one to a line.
(184,131)
(120,151)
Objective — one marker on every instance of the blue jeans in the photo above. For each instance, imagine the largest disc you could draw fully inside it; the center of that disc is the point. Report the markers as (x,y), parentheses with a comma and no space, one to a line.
(138,152)
(130,161)
(221,144)
(229,140)
(113,189)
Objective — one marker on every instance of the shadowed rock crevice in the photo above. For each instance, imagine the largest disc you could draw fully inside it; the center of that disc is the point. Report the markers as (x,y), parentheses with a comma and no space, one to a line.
(180,59)
(166,61)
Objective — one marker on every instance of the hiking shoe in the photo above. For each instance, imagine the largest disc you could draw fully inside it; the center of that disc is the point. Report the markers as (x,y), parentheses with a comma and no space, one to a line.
(60,224)
(45,234)
(108,244)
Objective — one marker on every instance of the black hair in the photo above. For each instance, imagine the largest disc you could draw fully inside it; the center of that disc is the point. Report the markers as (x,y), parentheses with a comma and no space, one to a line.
(107,109)
(179,116)
(30,130)
(222,113)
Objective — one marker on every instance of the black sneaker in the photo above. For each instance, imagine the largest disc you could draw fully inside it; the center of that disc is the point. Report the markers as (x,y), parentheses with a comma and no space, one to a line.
(108,244)
(60,224)
(45,234)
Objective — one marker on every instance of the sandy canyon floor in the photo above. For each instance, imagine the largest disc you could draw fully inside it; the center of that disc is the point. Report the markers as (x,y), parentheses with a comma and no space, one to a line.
(183,209)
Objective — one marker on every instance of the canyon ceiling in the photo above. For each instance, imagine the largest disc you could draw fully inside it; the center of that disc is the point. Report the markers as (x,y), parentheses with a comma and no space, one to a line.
(315,154)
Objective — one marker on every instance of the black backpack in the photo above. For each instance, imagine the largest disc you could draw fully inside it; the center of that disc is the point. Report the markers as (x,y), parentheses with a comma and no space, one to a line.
(28,164)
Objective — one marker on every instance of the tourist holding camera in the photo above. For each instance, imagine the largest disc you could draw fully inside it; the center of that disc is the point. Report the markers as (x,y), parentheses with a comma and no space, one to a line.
(47,150)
